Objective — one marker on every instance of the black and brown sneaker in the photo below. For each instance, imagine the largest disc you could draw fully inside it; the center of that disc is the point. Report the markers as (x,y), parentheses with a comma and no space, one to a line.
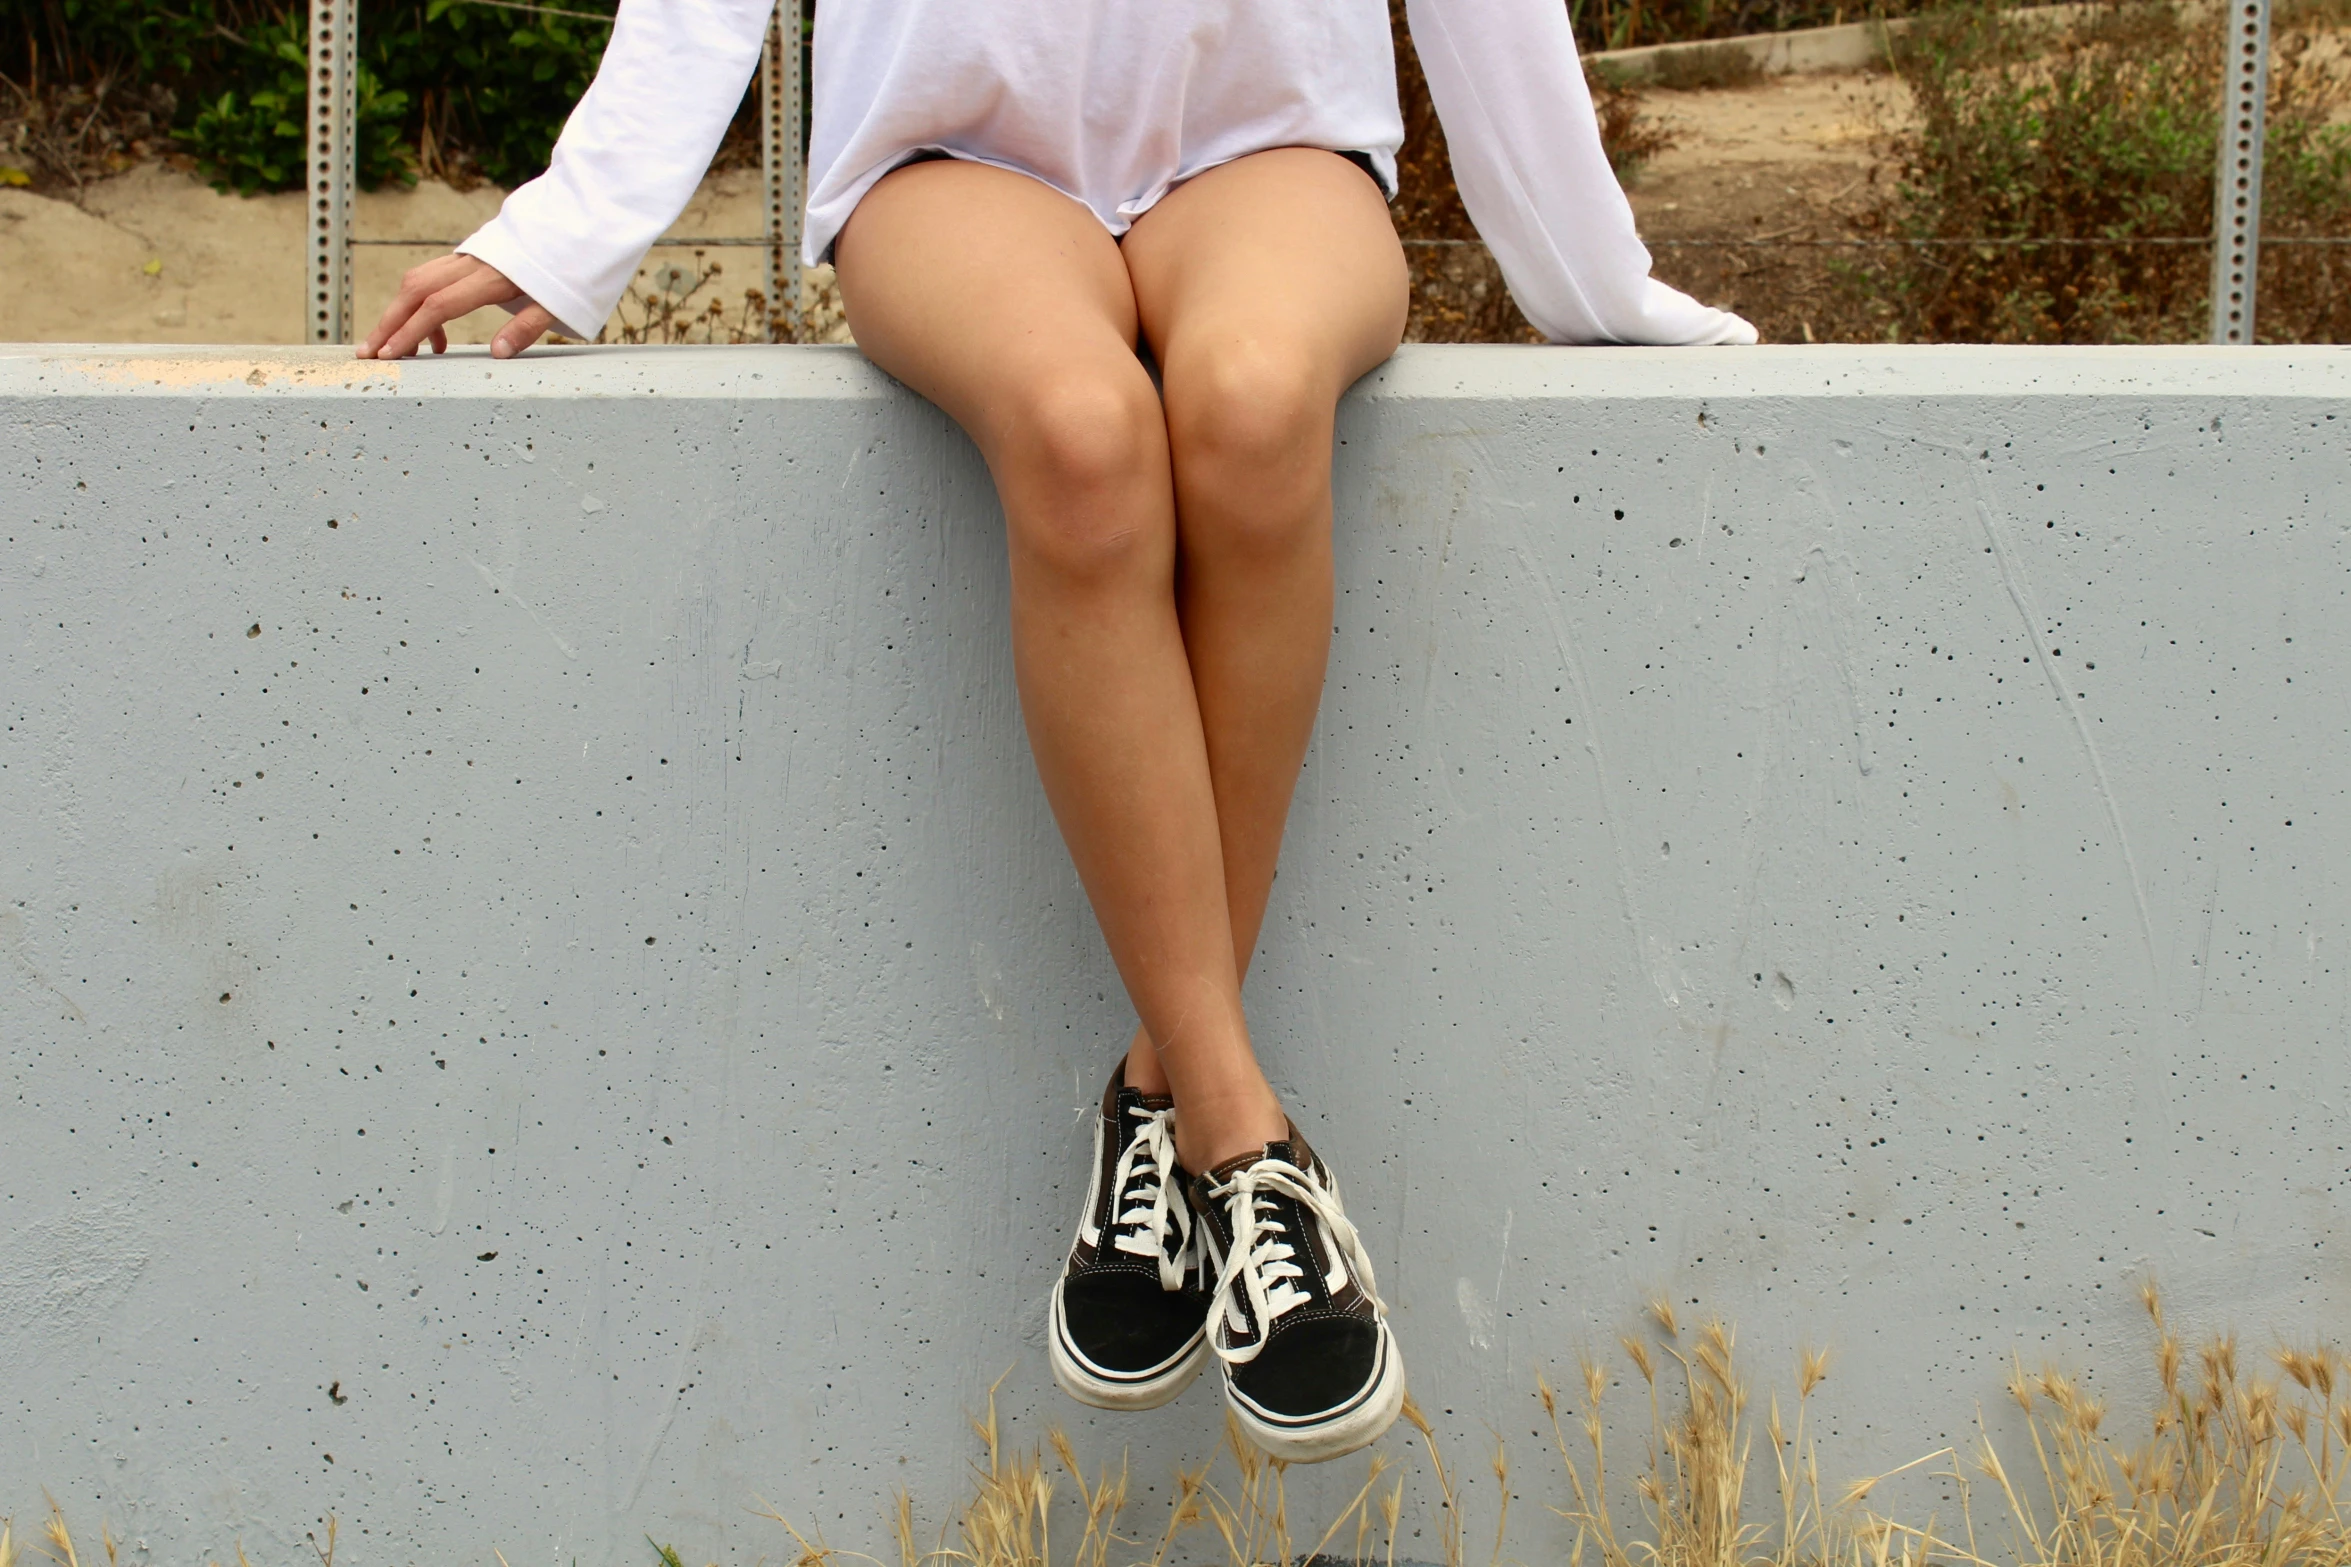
(1130,1311)
(1311,1369)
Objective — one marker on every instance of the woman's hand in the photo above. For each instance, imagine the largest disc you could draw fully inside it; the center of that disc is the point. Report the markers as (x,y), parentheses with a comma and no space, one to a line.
(441,290)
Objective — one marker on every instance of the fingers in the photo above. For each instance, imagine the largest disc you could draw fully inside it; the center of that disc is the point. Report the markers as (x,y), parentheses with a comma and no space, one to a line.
(461,296)
(416,285)
(440,341)
(529,325)
(430,297)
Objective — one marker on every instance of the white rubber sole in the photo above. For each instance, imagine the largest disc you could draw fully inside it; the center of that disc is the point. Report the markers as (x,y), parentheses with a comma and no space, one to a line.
(1090,1384)
(1334,1435)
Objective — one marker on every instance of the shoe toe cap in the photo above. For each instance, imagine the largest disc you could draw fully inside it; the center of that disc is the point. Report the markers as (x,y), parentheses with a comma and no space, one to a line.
(1311,1368)
(1124,1322)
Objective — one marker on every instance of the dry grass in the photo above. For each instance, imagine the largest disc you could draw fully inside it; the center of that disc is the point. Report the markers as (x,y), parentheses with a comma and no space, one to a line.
(56,138)
(689,302)
(686,303)
(1009,1519)
(2238,1468)
(56,1542)
(1692,1487)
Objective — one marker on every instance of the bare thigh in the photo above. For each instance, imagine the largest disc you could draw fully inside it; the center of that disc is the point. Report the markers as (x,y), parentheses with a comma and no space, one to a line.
(969,283)
(1273,269)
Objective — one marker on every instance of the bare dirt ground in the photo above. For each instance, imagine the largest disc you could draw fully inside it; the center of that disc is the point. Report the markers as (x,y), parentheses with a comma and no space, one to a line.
(156,256)
(1786,159)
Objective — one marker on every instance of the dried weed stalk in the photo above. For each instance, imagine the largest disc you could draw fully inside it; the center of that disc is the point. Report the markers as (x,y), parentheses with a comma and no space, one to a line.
(56,137)
(1693,1486)
(2237,1470)
(1016,1511)
(673,302)
(684,303)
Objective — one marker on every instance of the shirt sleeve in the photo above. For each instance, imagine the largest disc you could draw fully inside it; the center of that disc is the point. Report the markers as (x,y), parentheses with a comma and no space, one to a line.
(1527,158)
(630,156)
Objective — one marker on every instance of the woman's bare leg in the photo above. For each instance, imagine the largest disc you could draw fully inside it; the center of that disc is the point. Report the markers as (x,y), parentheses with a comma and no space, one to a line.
(1006,304)
(1265,287)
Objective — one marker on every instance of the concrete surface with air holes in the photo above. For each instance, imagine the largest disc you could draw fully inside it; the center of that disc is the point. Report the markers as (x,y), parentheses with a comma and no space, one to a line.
(542,1004)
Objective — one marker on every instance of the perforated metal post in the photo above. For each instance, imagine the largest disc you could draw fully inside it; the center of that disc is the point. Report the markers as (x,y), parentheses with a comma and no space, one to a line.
(2236,188)
(332,151)
(781,170)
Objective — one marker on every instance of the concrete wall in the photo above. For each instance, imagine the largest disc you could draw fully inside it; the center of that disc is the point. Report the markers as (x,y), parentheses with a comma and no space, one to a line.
(1852,46)
(542,1002)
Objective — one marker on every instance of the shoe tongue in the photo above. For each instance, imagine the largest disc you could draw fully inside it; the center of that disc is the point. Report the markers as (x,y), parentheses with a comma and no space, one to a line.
(1136,1099)
(1281,1152)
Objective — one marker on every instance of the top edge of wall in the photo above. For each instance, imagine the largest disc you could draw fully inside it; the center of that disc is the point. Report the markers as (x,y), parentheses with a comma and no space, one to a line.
(1849,46)
(1907,371)
(1475,373)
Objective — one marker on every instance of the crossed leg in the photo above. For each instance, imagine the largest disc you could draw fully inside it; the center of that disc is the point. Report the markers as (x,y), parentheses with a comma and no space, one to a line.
(1171,572)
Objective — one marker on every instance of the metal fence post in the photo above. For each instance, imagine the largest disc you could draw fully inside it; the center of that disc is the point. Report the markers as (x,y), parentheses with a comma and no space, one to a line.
(332,151)
(2236,186)
(780,168)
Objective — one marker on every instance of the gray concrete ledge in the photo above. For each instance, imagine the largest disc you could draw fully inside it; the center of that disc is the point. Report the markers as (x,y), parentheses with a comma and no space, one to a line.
(1445,372)
(1853,46)
(532,961)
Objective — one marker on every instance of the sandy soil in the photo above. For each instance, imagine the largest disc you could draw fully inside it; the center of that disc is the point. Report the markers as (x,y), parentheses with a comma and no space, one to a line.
(155,256)
(1789,158)
(1769,157)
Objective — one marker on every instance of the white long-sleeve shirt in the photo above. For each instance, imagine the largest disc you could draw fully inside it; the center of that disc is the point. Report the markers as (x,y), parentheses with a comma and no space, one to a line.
(1113,103)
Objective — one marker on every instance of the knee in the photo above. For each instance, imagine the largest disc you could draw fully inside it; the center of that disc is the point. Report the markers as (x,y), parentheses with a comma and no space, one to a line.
(1249,428)
(1078,454)
(1254,409)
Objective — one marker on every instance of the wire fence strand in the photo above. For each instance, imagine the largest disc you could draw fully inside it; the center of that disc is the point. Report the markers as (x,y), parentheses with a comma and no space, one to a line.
(689,242)
(544,10)
(1985,242)
(683,243)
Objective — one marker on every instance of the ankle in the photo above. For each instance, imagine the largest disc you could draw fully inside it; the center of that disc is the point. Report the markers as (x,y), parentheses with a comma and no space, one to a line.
(1207,1134)
(1144,1073)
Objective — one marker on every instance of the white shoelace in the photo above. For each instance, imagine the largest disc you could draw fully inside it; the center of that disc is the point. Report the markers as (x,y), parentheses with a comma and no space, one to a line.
(1264,1258)
(1140,1186)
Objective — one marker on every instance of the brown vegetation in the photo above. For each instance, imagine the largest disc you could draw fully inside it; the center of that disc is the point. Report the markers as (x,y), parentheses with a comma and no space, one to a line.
(56,139)
(2074,166)
(2236,1469)
(2027,184)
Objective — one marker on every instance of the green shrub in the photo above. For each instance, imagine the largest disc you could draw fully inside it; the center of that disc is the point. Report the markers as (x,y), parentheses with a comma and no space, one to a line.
(252,140)
(2102,144)
(491,86)
(81,41)
(446,87)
